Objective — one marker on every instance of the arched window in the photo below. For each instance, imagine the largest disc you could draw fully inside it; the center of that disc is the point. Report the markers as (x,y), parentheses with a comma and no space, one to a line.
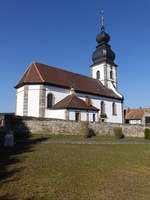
(98,75)
(49,100)
(114,109)
(111,74)
(102,107)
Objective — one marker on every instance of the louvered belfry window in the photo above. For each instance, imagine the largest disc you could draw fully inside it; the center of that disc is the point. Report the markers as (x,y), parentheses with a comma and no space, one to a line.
(98,75)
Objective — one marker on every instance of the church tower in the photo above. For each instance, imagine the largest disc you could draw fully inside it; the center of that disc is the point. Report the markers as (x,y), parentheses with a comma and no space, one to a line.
(103,68)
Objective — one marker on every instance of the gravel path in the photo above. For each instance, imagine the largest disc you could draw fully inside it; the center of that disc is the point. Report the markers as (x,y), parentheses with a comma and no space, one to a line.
(82,142)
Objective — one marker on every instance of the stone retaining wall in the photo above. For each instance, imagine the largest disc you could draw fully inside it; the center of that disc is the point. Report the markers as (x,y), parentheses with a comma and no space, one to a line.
(51,126)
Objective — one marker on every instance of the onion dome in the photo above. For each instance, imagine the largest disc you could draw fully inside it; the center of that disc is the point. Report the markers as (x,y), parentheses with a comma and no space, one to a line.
(103,53)
(103,50)
(103,37)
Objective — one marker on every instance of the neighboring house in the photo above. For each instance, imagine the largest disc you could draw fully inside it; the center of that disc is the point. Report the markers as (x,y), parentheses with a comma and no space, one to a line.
(50,92)
(138,116)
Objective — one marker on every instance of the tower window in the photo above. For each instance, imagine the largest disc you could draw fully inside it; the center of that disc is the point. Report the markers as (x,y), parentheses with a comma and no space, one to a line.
(111,74)
(102,108)
(49,101)
(114,109)
(98,75)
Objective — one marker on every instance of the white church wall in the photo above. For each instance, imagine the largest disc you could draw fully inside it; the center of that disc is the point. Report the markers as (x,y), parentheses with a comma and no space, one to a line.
(113,68)
(91,116)
(114,78)
(33,100)
(55,114)
(19,101)
(114,118)
(71,115)
(96,101)
(111,86)
(99,67)
(83,115)
(59,93)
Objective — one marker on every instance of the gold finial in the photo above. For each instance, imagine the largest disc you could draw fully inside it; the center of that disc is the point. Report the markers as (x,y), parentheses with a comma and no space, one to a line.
(102,18)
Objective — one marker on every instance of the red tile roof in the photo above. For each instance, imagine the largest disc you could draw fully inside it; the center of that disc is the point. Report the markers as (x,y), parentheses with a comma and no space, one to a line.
(73,102)
(135,114)
(43,74)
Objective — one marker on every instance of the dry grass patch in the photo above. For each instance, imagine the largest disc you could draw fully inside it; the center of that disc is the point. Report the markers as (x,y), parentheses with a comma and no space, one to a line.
(57,171)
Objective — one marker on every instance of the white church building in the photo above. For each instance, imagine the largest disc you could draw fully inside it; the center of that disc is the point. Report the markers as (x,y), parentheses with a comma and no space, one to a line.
(49,92)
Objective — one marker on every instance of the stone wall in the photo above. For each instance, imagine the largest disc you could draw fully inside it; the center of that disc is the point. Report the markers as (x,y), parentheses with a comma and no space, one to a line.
(51,126)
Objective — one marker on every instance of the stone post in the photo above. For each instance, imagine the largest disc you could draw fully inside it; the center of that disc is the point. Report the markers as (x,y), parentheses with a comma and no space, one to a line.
(105,75)
(66,115)
(122,107)
(42,101)
(116,78)
(87,117)
(98,117)
(25,103)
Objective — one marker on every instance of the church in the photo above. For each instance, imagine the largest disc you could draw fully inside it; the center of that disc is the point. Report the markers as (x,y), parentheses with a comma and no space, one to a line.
(49,92)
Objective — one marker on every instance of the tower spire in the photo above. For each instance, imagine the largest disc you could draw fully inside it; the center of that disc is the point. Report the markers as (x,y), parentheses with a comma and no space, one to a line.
(102,18)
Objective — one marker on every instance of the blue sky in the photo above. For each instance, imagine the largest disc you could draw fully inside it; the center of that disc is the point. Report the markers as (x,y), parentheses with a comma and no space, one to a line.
(63,32)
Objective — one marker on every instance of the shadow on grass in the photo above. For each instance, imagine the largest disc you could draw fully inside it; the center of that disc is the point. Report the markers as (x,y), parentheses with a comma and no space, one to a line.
(5,197)
(8,156)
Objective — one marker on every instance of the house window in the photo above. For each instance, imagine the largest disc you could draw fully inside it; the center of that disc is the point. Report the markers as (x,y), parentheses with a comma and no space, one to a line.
(98,75)
(111,74)
(77,116)
(102,107)
(114,109)
(49,101)
(93,117)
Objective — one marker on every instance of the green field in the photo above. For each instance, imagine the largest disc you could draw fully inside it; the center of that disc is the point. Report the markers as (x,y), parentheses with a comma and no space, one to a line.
(67,172)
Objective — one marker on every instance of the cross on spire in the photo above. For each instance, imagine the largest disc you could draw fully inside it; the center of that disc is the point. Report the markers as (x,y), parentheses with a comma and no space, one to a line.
(102,18)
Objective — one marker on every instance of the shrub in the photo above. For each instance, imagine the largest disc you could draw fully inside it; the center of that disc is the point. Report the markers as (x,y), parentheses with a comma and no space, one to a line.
(147,133)
(118,133)
(91,133)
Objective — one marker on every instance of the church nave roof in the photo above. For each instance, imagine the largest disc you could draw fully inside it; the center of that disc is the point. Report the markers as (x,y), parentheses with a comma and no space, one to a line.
(43,74)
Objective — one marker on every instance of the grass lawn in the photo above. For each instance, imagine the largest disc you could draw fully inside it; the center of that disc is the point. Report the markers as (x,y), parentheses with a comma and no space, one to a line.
(71,172)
